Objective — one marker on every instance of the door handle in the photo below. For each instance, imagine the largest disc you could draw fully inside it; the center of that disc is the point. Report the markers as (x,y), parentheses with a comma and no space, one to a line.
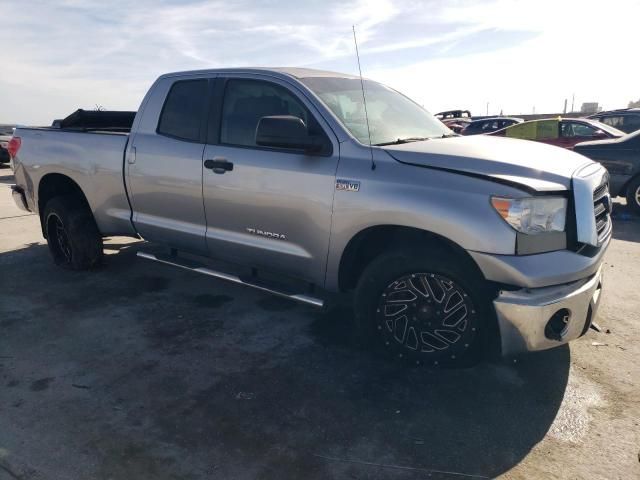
(219,165)
(131,158)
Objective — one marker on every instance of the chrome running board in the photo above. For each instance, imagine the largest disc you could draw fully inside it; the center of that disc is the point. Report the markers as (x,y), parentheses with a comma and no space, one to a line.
(174,261)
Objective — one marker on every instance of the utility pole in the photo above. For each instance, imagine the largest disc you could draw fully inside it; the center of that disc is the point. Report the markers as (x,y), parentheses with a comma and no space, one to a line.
(565,107)
(487,109)
(573,99)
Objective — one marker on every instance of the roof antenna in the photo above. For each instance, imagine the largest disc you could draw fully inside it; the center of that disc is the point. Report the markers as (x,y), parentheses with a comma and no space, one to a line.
(364,98)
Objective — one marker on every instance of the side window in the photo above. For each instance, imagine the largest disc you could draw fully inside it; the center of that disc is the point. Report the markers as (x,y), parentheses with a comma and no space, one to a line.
(534,130)
(574,129)
(613,121)
(247,101)
(566,129)
(183,109)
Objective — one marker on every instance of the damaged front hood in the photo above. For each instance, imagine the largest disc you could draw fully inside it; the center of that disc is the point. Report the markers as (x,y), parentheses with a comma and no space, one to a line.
(533,165)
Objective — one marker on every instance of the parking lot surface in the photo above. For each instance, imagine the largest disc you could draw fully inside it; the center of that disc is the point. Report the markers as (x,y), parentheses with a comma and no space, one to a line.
(139,370)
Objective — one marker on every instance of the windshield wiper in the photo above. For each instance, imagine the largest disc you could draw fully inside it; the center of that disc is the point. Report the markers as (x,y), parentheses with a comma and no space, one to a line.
(402,140)
(449,135)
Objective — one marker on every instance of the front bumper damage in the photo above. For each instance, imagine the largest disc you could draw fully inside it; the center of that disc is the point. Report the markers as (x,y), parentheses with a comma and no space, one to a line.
(533,319)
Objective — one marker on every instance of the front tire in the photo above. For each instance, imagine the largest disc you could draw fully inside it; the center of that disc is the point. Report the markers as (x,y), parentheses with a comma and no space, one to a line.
(633,195)
(73,237)
(424,306)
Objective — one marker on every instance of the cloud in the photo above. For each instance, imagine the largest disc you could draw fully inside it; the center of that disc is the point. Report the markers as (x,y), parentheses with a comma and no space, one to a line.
(78,53)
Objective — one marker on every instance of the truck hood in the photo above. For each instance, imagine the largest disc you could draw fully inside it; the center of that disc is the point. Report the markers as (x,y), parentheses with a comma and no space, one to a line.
(533,165)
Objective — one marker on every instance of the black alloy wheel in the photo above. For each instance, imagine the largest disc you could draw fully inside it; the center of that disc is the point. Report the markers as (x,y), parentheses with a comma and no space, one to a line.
(59,240)
(428,314)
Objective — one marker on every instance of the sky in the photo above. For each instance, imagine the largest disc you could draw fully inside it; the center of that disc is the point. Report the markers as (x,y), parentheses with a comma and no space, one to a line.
(486,56)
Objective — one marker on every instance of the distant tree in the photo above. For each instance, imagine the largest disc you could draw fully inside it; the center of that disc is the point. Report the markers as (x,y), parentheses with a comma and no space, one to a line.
(634,104)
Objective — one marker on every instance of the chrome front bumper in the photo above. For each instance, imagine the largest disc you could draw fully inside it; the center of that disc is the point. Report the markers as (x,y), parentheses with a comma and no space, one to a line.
(523,315)
(19,198)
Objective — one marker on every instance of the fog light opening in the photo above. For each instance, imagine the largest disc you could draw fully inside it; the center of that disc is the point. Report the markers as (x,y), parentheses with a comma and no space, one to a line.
(558,324)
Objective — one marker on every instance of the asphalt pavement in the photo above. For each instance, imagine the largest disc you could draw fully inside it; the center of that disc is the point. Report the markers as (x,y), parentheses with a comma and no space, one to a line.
(138,370)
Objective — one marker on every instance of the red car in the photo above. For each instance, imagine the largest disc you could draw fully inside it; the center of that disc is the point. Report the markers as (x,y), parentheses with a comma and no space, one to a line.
(457,124)
(563,132)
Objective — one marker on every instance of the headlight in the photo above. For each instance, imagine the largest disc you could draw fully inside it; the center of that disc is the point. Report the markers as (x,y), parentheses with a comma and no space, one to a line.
(532,215)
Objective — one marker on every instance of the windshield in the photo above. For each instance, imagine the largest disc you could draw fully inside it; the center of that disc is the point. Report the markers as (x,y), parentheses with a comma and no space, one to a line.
(392,116)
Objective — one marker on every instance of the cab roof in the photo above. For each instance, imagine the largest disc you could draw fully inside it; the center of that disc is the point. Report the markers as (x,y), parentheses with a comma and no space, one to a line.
(294,72)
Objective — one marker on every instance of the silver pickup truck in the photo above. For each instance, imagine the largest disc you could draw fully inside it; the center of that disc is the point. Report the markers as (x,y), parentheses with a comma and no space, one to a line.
(451,245)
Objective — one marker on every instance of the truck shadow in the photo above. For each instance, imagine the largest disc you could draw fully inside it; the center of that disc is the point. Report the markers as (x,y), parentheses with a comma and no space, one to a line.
(182,366)
(476,421)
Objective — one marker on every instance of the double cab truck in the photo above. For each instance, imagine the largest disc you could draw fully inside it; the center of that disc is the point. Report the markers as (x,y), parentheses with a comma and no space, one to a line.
(448,246)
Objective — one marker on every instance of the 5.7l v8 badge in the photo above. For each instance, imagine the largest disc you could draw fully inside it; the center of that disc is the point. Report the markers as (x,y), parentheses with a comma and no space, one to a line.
(347,185)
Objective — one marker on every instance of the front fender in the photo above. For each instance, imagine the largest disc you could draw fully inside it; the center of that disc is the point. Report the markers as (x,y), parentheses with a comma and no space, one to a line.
(456,207)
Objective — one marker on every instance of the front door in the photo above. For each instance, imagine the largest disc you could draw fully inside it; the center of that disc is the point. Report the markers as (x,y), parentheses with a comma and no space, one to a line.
(267,208)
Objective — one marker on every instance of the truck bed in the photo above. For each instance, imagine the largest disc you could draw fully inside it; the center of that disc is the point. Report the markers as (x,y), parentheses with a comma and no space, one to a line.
(94,160)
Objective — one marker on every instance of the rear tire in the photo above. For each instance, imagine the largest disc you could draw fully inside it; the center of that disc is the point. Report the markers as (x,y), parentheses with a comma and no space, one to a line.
(73,237)
(423,306)
(633,195)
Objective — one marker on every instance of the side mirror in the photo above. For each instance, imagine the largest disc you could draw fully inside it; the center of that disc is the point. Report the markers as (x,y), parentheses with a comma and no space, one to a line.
(286,131)
(599,134)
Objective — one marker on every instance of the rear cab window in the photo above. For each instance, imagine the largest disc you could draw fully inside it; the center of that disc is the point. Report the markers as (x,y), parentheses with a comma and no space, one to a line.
(183,111)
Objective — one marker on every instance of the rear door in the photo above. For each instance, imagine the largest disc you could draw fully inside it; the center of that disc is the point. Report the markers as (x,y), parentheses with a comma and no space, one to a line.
(268,208)
(165,164)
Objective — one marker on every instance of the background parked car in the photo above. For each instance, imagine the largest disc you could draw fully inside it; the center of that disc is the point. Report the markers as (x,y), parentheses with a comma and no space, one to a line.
(449,114)
(456,120)
(622,158)
(625,119)
(488,125)
(562,132)
(6,131)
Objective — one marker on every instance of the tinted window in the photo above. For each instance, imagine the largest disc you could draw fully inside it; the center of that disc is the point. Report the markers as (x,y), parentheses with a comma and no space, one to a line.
(631,123)
(247,101)
(573,129)
(182,112)
(614,121)
(492,126)
(474,127)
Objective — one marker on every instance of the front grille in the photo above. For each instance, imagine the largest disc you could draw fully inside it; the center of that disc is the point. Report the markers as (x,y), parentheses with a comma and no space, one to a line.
(602,210)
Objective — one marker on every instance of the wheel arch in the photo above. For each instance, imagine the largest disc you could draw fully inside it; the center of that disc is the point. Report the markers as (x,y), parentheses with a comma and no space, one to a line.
(625,187)
(370,242)
(54,185)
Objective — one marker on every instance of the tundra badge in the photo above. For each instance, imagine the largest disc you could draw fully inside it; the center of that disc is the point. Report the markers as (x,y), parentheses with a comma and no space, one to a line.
(263,233)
